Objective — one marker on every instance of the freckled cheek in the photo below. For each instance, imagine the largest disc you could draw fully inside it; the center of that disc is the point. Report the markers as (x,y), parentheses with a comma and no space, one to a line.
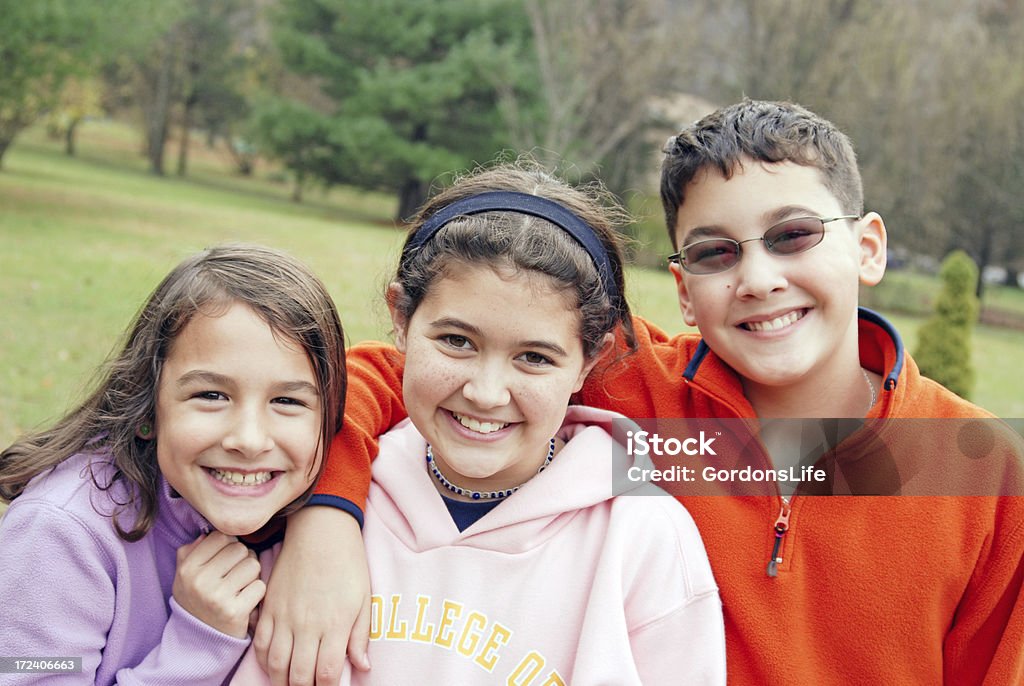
(432,380)
(545,400)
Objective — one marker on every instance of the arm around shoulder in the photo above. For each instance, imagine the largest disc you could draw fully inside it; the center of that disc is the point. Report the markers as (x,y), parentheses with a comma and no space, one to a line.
(637,384)
(373,404)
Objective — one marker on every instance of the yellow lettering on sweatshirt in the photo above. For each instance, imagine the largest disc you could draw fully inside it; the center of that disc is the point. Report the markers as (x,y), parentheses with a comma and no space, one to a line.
(397,630)
(450,611)
(488,655)
(469,632)
(470,636)
(376,617)
(527,669)
(422,632)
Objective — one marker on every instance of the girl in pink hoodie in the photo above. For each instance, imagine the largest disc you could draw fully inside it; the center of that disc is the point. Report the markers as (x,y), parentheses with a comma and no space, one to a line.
(498,551)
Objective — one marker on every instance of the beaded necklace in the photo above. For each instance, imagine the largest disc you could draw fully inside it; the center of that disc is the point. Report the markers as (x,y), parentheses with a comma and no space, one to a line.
(481,495)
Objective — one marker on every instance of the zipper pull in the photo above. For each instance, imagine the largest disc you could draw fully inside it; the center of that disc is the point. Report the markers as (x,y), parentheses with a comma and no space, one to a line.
(781,527)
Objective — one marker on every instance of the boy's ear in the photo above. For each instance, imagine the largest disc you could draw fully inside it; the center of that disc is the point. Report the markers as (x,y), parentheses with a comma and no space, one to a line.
(398,320)
(685,305)
(606,345)
(872,242)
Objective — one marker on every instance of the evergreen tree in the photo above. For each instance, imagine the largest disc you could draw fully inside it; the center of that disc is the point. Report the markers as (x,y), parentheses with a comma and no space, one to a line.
(944,341)
(410,85)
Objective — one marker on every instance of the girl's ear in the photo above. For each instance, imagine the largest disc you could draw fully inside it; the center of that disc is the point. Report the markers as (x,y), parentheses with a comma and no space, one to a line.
(145,431)
(606,345)
(399,322)
(872,243)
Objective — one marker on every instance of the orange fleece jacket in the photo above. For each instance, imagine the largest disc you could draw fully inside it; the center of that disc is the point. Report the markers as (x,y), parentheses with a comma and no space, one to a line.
(870,589)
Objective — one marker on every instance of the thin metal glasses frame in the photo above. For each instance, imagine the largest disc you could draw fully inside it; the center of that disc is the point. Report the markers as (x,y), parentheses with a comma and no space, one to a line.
(677,257)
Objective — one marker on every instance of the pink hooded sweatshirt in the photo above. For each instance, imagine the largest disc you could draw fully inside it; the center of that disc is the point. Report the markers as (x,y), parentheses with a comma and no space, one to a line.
(561,583)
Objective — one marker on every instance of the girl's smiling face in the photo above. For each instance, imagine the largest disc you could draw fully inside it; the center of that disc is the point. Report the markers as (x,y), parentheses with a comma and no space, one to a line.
(492,358)
(237,419)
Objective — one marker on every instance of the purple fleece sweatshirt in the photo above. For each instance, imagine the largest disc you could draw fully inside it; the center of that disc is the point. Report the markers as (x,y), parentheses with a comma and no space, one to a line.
(71,587)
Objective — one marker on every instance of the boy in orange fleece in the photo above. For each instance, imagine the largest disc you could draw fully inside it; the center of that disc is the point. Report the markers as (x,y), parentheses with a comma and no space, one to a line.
(764,203)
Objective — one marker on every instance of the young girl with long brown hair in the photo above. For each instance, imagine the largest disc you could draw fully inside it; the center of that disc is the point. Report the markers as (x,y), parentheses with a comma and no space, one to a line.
(121,562)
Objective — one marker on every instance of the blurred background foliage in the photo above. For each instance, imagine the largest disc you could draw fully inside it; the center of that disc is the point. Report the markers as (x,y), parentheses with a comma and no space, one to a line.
(173,123)
(393,95)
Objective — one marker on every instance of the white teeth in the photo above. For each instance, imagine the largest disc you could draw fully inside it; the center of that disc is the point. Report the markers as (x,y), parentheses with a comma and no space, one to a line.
(775,324)
(240,479)
(479,427)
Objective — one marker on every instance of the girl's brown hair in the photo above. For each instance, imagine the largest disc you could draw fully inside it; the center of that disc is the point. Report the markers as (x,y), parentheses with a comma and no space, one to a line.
(508,239)
(283,292)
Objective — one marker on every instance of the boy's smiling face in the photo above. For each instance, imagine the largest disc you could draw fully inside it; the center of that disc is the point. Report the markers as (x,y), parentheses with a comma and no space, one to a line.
(777,320)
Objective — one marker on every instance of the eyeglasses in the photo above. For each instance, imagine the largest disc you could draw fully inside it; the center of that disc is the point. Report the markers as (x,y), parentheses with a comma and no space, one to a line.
(790,237)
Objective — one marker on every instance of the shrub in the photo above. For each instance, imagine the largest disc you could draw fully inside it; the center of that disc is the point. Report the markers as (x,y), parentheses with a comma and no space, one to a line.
(944,340)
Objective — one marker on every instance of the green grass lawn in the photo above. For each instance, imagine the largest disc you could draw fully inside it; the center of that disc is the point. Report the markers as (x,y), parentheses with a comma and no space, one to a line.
(84,240)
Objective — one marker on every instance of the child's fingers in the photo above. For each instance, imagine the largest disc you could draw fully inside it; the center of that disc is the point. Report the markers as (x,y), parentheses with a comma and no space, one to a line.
(254,618)
(251,595)
(279,656)
(359,639)
(330,660)
(221,592)
(242,573)
(262,635)
(213,563)
(206,547)
(186,550)
(303,666)
(217,581)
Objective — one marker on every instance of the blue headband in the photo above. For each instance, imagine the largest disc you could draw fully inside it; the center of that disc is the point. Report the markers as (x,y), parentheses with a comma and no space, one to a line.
(522,203)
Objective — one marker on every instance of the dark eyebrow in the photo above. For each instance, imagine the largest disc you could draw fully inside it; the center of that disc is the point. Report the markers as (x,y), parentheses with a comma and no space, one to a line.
(296,387)
(769,219)
(701,232)
(453,323)
(202,376)
(553,348)
(785,212)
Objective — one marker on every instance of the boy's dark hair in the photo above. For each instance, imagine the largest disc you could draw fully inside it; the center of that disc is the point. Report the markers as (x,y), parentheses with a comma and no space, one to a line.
(282,291)
(505,239)
(766,132)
